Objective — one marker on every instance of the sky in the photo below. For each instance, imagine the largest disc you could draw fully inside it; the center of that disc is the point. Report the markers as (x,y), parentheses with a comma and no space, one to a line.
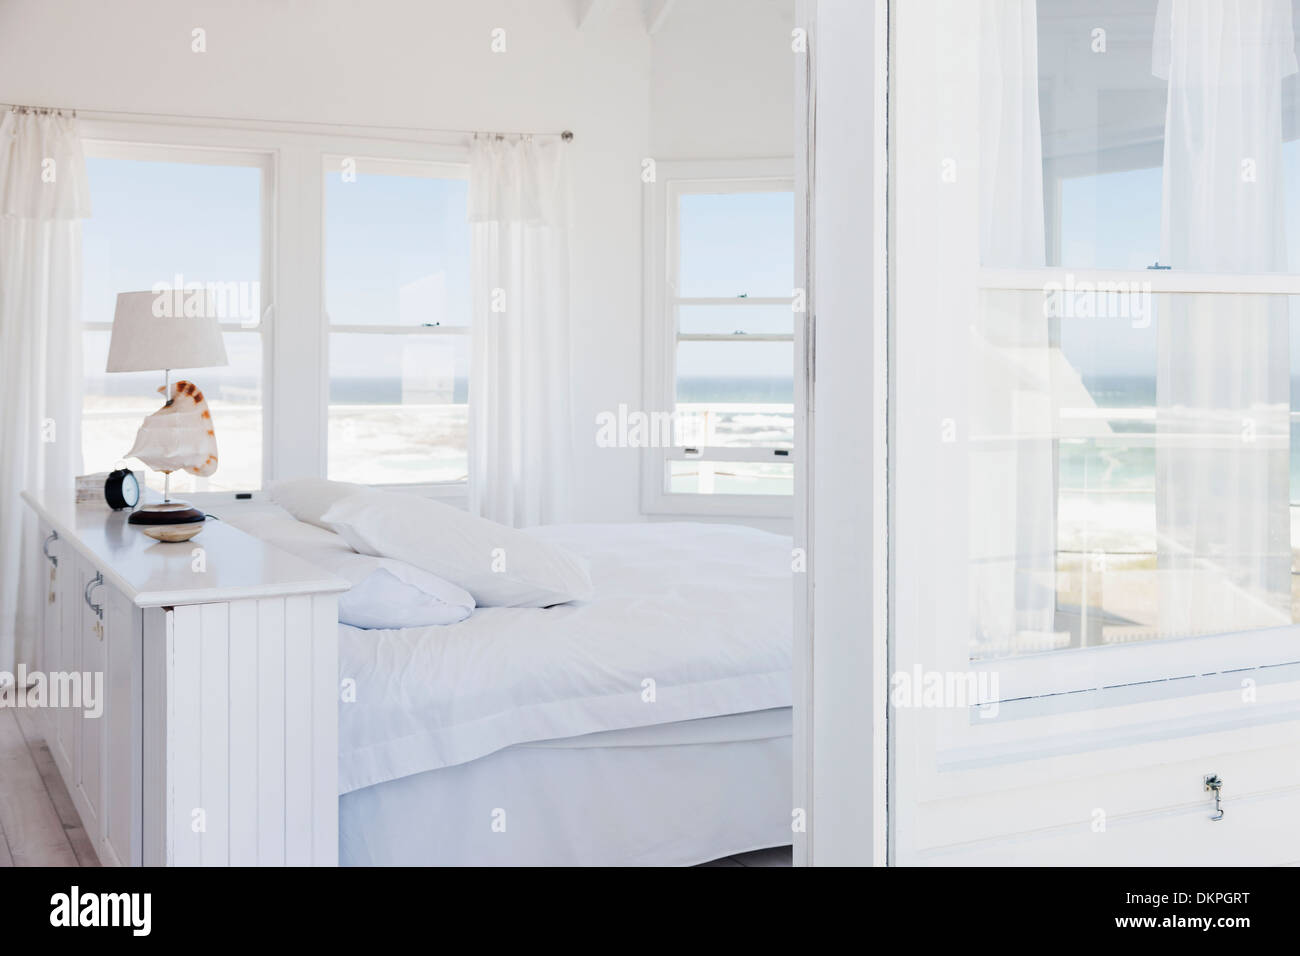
(1113,221)
(397,252)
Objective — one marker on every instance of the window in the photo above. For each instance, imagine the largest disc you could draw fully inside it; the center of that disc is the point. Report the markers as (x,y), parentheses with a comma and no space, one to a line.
(162,217)
(720,347)
(397,298)
(1111,480)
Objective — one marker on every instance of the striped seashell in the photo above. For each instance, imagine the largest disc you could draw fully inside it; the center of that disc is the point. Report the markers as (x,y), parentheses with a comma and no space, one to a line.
(179,436)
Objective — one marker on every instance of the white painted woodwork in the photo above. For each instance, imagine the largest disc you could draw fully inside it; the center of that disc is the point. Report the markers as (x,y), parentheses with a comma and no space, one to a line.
(86,794)
(218,741)
(1069,771)
(152,573)
(121,745)
(841,623)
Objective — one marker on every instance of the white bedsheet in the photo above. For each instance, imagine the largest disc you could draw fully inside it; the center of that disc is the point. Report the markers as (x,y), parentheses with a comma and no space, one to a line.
(704,611)
(668,795)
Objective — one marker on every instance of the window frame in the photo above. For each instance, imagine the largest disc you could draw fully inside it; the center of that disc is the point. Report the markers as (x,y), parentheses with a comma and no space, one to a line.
(387,165)
(295,384)
(1042,674)
(1179,671)
(661,336)
(121,148)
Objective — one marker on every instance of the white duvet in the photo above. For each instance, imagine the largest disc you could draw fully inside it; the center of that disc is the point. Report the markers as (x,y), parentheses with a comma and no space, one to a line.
(689,620)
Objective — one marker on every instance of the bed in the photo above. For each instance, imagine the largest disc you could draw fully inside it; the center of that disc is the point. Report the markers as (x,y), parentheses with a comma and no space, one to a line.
(647,726)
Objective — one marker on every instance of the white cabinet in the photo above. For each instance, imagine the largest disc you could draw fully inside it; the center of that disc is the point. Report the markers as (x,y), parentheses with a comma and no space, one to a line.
(89,726)
(121,809)
(58,651)
(209,735)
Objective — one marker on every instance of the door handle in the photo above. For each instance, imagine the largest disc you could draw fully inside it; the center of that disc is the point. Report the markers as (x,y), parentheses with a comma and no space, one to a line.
(1213,782)
(45,549)
(94,582)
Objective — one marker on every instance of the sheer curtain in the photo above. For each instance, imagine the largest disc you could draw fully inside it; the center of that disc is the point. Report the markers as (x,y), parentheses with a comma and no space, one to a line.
(1013,535)
(519,400)
(43,198)
(1223,524)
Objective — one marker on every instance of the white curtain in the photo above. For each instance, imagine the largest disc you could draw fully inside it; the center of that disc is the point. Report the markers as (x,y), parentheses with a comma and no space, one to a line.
(43,198)
(1223,361)
(520,421)
(1011,475)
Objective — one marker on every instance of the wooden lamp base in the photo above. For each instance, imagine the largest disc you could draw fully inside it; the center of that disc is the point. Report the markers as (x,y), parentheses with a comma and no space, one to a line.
(168,520)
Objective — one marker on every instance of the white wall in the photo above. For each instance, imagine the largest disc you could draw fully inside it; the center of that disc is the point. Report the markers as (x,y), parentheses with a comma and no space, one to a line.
(722,81)
(719,70)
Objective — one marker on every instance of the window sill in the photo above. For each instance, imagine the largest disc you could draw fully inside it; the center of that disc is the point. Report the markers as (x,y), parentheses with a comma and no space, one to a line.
(720,506)
(1071,725)
(440,489)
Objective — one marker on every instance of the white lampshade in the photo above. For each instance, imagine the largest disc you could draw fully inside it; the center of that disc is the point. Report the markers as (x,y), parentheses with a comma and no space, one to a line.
(143,341)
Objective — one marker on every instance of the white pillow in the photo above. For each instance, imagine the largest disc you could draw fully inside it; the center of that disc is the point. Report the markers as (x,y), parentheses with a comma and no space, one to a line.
(499,566)
(309,498)
(385,593)
(393,594)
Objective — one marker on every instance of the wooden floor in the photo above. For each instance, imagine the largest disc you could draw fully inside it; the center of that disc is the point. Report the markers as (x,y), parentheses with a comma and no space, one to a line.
(775,856)
(39,825)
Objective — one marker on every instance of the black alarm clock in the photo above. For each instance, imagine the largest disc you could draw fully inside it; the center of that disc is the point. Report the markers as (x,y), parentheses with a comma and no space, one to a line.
(122,489)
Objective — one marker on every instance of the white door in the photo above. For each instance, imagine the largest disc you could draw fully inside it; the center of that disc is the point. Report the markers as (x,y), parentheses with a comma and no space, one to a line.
(88,719)
(50,646)
(123,736)
(66,654)
(1095,235)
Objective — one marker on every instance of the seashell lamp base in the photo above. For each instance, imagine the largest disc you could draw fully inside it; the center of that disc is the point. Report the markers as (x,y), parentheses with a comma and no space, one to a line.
(172,532)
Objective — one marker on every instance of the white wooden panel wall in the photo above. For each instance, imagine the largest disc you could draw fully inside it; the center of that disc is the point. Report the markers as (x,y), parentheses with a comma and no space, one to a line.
(120,843)
(242,678)
(297,731)
(156,651)
(270,735)
(325,730)
(252,733)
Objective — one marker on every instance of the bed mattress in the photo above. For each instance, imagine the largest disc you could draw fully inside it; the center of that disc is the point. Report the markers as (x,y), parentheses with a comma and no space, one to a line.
(689,621)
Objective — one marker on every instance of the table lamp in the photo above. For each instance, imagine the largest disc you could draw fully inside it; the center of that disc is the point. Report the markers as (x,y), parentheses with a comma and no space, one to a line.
(180,434)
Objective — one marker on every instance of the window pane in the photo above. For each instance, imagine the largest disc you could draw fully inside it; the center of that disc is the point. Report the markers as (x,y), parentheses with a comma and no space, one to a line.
(115,403)
(396,250)
(1115,81)
(737,244)
(170,224)
(1131,469)
(733,319)
(163,223)
(398,408)
(735,394)
(730,478)
(1111,220)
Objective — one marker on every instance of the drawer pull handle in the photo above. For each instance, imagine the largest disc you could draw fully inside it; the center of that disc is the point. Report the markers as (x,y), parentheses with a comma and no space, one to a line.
(94,582)
(1214,783)
(45,548)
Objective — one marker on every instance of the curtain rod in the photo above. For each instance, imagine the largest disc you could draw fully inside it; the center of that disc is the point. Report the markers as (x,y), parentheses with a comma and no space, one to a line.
(566,135)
